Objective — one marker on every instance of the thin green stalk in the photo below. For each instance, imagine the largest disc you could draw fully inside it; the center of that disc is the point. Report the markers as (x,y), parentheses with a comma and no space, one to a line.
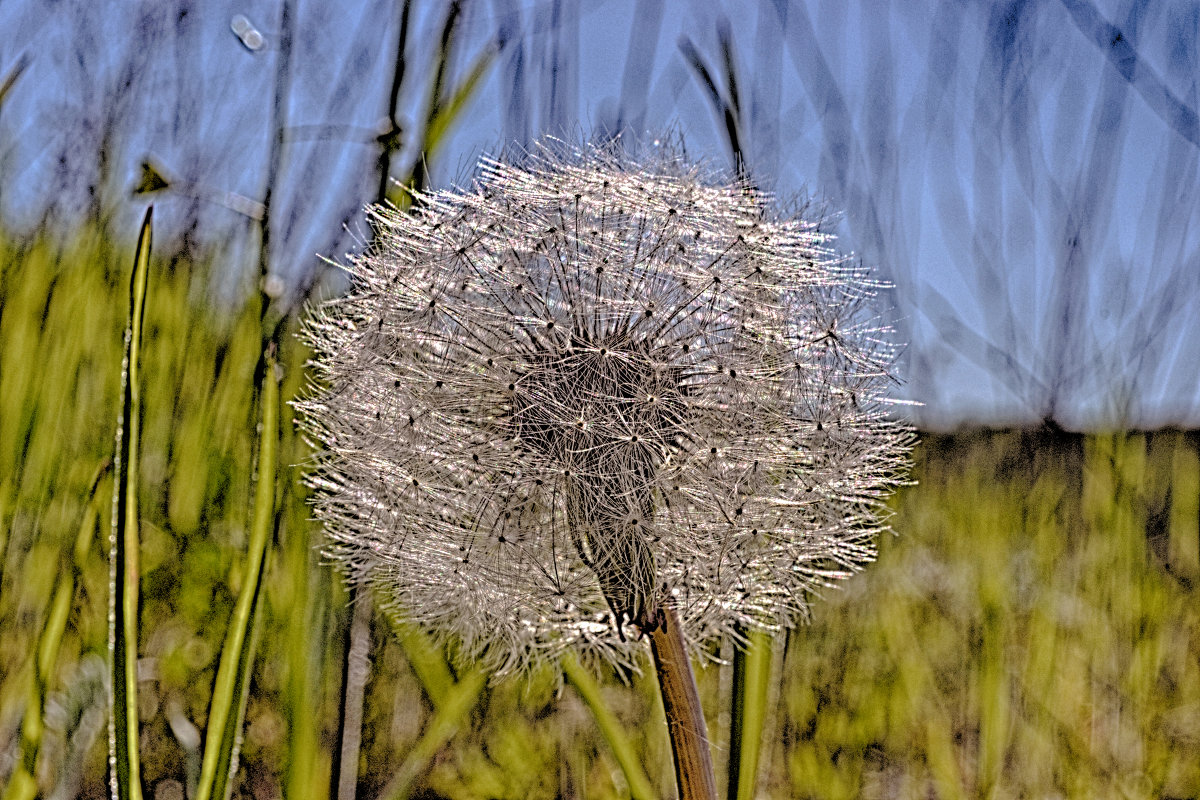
(7,495)
(228,706)
(448,111)
(419,173)
(440,116)
(305,610)
(443,108)
(751,681)
(1183,543)
(452,701)
(271,322)
(283,76)
(445,723)
(425,660)
(429,664)
(610,728)
(125,782)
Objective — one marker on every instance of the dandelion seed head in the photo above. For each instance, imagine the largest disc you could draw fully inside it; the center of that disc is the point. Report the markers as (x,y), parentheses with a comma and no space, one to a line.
(590,385)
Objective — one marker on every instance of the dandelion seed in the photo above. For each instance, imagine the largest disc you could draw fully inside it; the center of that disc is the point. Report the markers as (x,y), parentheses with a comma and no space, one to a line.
(590,386)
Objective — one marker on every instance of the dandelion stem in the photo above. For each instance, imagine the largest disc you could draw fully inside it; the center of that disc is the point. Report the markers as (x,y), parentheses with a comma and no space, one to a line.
(681,702)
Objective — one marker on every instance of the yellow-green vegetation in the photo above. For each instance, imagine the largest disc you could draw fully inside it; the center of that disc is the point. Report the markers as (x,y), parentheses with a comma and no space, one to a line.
(1033,631)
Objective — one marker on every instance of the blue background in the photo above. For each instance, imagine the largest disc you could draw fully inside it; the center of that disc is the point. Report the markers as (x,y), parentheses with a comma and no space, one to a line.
(1024,173)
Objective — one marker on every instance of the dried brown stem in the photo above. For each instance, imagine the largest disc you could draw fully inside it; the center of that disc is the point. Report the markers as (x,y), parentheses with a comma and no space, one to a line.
(681,702)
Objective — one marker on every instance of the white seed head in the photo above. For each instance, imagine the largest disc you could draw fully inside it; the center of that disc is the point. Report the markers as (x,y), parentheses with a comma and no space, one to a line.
(592,383)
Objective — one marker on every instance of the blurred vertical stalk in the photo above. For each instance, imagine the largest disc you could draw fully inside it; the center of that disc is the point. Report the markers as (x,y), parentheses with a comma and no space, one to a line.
(227,709)
(355,666)
(306,610)
(420,169)
(7,496)
(681,703)
(451,711)
(125,771)
(230,692)
(751,681)
(22,784)
(452,702)
(390,141)
(445,106)
(279,108)
(1184,533)
(751,665)
(10,77)
(610,728)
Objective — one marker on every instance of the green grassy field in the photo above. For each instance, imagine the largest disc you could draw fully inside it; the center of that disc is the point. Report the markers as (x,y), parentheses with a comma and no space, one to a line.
(1033,630)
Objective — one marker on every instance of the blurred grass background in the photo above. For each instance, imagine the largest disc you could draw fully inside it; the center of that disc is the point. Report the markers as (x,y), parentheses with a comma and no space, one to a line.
(1032,632)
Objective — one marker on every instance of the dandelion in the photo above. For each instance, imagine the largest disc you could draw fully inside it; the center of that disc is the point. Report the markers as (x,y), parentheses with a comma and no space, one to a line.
(598,398)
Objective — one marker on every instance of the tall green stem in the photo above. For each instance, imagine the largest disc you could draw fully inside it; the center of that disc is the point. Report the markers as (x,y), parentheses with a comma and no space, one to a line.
(610,728)
(125,779)
(231,688)
(751,681)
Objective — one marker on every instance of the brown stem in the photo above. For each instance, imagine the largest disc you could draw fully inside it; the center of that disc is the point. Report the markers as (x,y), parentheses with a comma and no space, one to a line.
(681,702)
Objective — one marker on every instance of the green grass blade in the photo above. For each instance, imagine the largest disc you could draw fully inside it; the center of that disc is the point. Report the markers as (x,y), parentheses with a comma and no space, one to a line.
(751,681)
(228,706)
(10,78)
(452,701)
(610,728)
(304,611)
(125,781)
(7,495)
(1183,544)
(442,727)
(425,659)
(444,108)
(446,114)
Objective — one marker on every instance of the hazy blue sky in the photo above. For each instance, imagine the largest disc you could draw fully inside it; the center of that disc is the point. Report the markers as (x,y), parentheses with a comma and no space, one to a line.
(1025,173)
